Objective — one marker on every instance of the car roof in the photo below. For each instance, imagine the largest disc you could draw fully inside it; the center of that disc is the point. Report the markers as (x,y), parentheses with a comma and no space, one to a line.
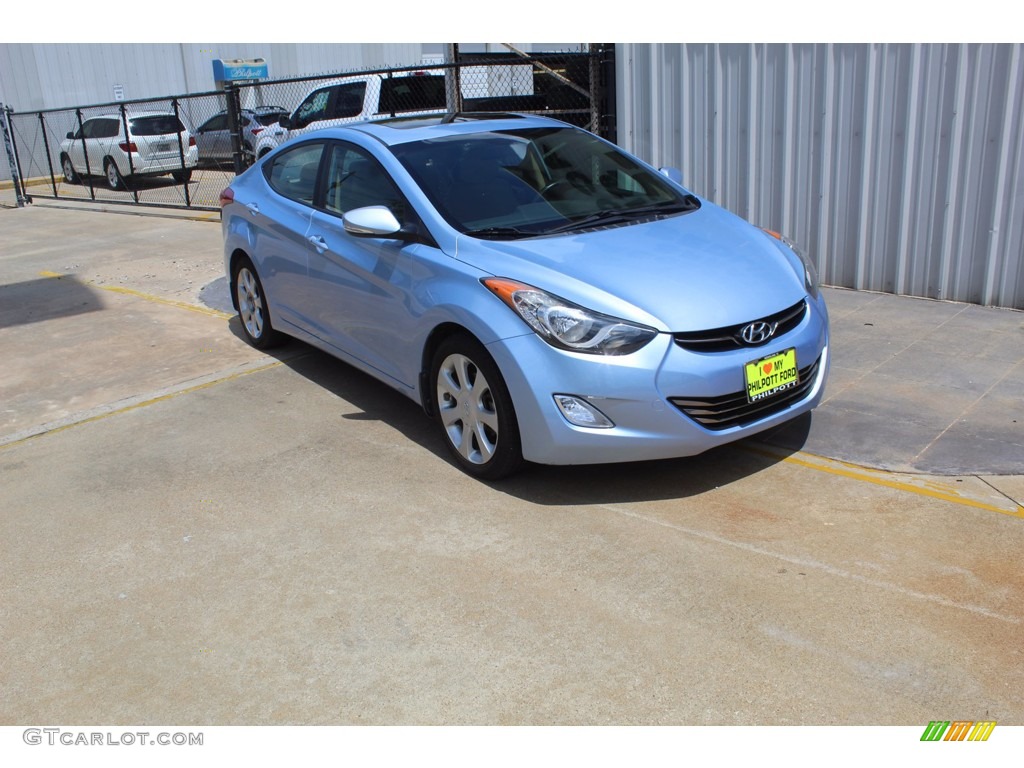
(394,131)
(131,115)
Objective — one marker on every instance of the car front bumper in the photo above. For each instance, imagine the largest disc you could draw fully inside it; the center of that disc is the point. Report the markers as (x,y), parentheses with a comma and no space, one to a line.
(636,392)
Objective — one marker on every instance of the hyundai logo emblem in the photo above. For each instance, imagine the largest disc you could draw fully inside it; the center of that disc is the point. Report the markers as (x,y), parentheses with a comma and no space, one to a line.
(758,332)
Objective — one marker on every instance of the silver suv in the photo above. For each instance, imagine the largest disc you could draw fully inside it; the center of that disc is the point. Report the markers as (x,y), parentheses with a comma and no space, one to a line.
(213,137)
(157,143)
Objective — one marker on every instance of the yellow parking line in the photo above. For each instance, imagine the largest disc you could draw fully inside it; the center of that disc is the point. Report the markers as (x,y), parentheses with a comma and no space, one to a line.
(148,297)
(144,403)
(169,302)
(883,478)
(819,463)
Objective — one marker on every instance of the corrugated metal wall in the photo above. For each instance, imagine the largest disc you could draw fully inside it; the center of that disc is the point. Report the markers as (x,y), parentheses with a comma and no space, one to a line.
(900,168)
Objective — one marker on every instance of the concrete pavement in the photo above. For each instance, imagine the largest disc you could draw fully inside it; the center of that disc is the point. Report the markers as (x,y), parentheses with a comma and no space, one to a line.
(192,532)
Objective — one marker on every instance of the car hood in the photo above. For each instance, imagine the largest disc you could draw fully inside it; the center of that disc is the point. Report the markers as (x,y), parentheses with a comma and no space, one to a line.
(700,270)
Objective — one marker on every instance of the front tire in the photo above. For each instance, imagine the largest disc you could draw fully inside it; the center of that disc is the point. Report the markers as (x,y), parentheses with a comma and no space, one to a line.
(70,175)
(252,307)
(475,410)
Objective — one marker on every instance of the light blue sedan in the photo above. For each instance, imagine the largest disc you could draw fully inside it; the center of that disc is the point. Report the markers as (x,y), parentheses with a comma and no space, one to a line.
(544,295)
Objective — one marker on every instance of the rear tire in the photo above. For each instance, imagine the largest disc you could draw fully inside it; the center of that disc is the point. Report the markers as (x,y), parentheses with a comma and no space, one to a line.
(182,177)
(252,306)
(474,409)
(114,178)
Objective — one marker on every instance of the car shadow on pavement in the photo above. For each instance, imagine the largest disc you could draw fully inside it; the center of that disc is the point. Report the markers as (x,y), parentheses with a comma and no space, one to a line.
(46,298)
(538,484)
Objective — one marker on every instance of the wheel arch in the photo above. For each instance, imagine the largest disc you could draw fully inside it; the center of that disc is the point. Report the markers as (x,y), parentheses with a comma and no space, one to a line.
(434,340)
(237,257)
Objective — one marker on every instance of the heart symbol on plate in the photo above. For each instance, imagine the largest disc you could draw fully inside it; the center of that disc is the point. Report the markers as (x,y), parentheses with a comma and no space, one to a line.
(767,368)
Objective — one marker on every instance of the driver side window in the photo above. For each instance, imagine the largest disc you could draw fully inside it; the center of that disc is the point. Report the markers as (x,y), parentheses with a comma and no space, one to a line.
(356,180)
(313,108)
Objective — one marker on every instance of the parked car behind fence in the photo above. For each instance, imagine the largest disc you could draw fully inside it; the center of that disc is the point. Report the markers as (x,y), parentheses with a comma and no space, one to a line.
(213,137)
(156,143)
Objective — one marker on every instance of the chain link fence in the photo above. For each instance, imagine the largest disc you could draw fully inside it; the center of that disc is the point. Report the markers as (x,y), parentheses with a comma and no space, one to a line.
(181,151)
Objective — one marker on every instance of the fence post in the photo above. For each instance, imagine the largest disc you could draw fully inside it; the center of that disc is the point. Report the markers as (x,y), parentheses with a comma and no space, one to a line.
(12,159)
(604,95)
(452,79)
(131,162)
(181,152)
(49,157)
(233,104)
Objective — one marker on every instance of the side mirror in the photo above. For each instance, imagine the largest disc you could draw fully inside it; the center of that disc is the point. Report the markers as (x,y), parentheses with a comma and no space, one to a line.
(674,174)
(285,122)
(371,221)
(379,221)
(71,135)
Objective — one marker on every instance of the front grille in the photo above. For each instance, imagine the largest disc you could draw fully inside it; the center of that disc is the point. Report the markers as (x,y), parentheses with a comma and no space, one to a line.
(734,410)
(724,339)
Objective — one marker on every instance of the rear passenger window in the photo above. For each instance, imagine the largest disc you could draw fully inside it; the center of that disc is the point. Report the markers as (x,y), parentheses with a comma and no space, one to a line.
(107,129)
(293,173)
(348,100)
(155,125)
(411,94)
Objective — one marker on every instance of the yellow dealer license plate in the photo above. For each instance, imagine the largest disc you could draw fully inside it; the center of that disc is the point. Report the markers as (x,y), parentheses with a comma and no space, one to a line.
(771,375)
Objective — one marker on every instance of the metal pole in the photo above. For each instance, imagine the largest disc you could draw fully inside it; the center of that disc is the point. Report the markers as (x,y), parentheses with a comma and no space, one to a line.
(234,108)
(131,162)
(609,124)
(12,159)
(452,79)
(181,151)
(85,154)
(49,159)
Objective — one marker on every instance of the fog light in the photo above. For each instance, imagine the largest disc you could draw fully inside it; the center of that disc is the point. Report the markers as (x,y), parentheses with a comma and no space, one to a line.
(579,412)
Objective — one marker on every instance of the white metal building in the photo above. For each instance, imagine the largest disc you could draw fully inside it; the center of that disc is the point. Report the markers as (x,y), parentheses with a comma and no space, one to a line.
(50,76)
(899,168)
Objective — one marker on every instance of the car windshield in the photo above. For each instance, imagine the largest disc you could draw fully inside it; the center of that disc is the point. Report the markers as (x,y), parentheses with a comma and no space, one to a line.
(536,181)
(155,125)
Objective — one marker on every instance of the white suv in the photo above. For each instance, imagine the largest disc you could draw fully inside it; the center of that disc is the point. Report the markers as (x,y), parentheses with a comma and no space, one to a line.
(157,143)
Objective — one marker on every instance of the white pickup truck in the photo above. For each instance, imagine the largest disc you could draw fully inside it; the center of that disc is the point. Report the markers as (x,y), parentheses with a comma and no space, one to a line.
(356,98)
(367,96)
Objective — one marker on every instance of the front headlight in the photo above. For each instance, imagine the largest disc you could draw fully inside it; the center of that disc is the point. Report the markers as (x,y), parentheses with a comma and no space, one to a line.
(569,326)
(810,271)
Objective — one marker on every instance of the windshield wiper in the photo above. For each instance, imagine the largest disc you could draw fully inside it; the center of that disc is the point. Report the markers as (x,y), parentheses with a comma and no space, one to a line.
(623,215)
(500,233)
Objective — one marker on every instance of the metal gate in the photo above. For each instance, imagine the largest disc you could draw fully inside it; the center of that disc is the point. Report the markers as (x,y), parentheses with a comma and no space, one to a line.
(226,130)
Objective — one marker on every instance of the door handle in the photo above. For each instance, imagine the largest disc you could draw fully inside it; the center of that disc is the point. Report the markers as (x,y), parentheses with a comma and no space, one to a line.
(319,243)
(253,208)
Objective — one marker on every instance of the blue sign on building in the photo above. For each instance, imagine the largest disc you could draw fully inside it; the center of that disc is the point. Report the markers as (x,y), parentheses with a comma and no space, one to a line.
(240,69)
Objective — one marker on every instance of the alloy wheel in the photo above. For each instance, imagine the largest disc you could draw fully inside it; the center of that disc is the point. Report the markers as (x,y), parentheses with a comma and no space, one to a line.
(467,409)
(250,303)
